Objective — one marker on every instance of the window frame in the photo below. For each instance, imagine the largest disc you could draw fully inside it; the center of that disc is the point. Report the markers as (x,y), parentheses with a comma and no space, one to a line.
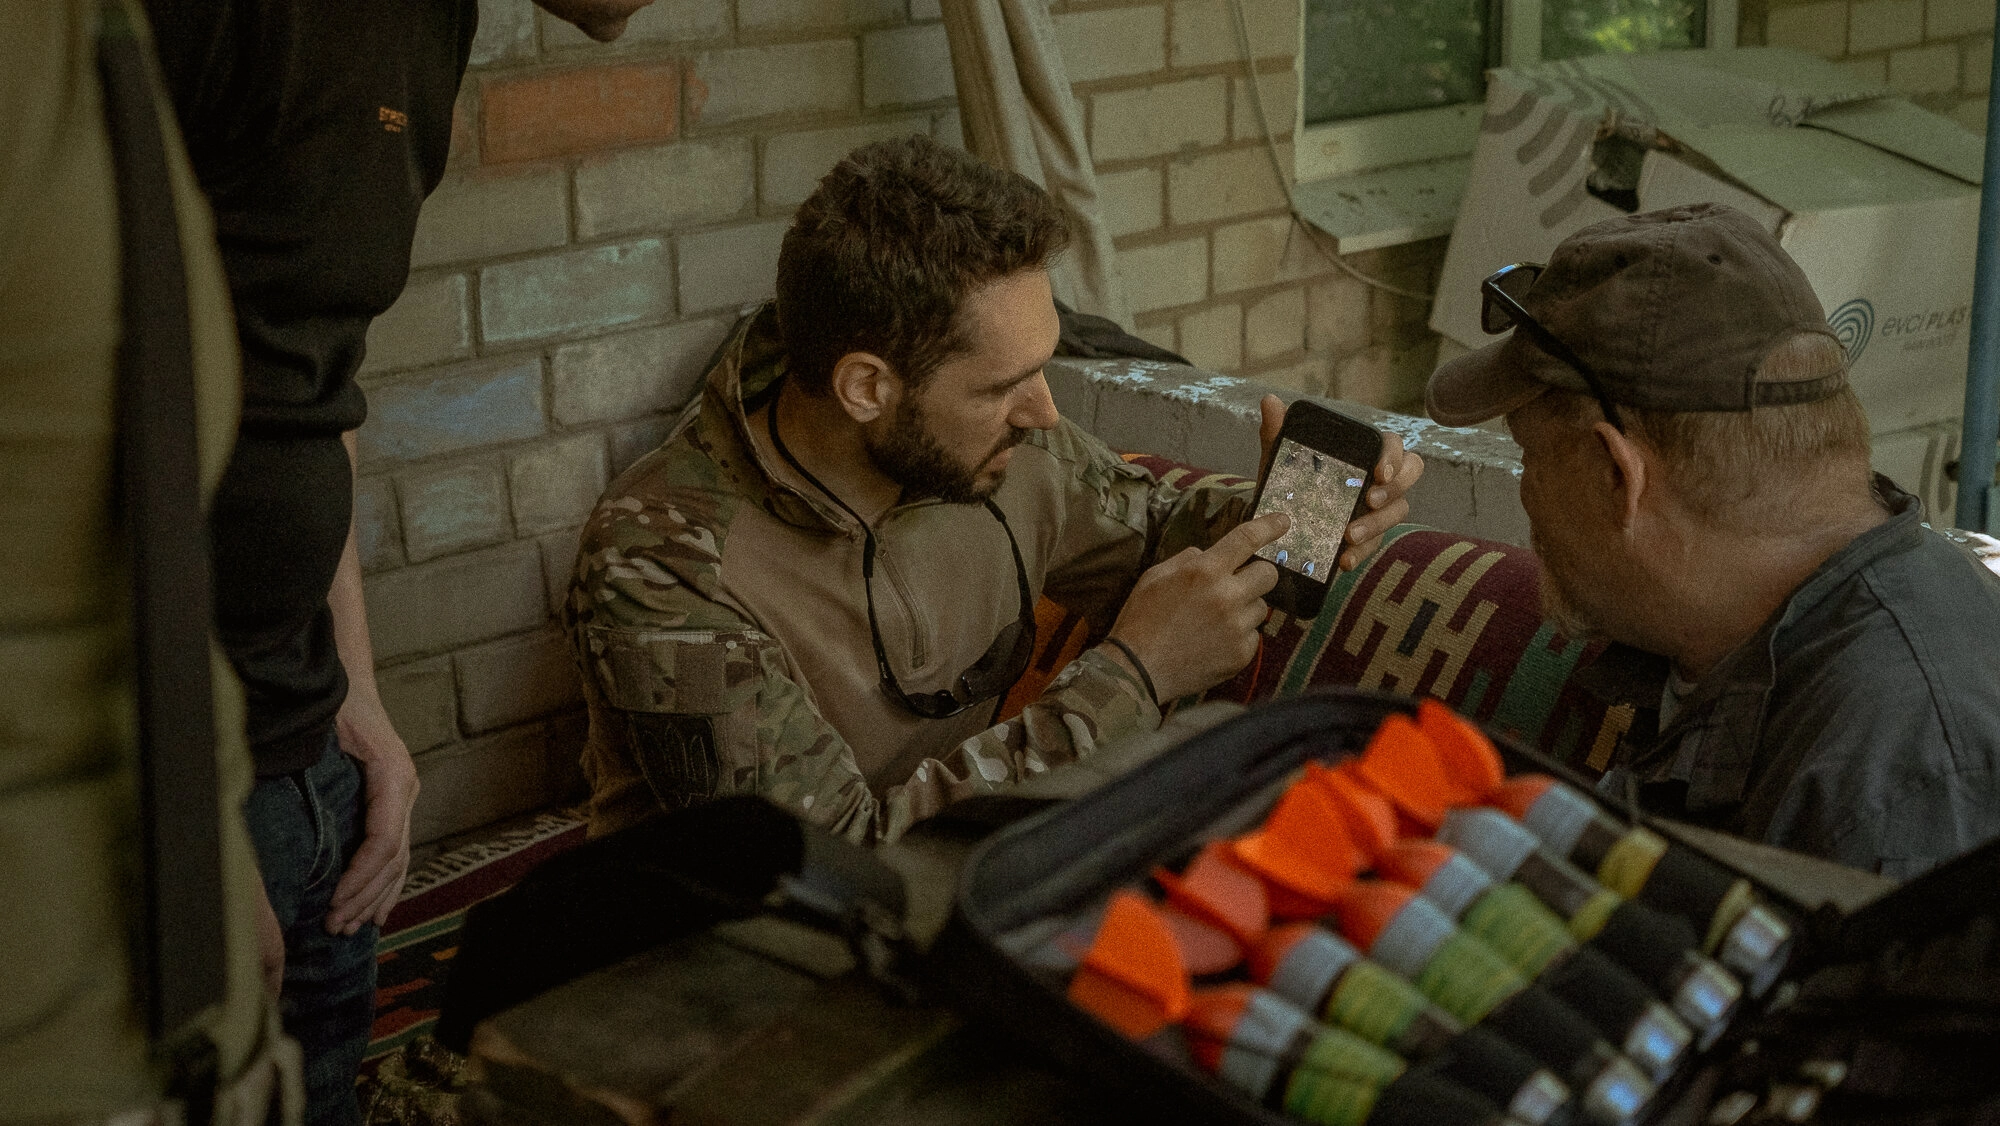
(1366,144)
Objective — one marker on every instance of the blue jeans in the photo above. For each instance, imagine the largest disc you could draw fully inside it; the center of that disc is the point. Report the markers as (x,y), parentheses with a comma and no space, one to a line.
(307,826)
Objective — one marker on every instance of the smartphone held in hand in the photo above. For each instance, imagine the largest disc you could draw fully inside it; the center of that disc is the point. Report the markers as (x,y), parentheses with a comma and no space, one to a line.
(1319,475)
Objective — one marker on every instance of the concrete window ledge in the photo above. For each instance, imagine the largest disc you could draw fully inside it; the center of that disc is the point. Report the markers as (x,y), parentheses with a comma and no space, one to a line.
(1471,482)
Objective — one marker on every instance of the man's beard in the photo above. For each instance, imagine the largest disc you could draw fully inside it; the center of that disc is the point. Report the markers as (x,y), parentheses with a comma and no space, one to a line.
(916,462)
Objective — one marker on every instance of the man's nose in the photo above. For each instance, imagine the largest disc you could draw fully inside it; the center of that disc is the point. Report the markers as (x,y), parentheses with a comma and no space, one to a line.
(1037,408)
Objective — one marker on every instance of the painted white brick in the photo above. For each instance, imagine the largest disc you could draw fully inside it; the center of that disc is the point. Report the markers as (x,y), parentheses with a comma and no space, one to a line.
(421,702)
(670,186)
(1948,19)
(1223,185)
(924,10)
(468,785)
(1168,274)
(457,600)
(729,267)
(815,15)
(1112,42)
(948,129)
(597,287)
(1204,31)
(1159,120)
(1281,97)
(555,485)
(1929,69)
(490,213)
(1275,325)
(1979,68)
(1877,24)
(1337,316)
(751,82)
(558,560)
(428,324)
(1820,29)
(1131,201)
(455,410)
(906,66)
(632,373)
(452,508)
(794,162)
(378,531)
(1212,338)
(516,679)
(1261,252)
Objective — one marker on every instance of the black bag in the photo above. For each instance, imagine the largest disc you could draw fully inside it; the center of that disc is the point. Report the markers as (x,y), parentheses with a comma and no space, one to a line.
(1896,1008)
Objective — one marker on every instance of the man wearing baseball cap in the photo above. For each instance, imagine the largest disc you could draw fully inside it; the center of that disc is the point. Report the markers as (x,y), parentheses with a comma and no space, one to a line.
(1695,470)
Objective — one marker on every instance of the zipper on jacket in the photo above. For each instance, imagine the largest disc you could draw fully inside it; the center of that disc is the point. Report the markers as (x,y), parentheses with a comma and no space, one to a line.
(920,654)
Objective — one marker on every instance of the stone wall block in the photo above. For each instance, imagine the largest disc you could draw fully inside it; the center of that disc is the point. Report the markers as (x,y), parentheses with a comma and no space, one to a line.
(1262,252)
(1949,19)
(1875,25)
(1131,201)
(731,267)
(1275,325)
(633,373)
(428,324)
(480,782)
(636,439)
(554,113)
(599,287)
(460,599)
(1281,96)
(488,213)
(1820,29)
(1132,415)
(421,702)
(906,66)
(671,186)
(1165,274)
(558,560)
(378,531)
(1074,391)
(1496,506)
(453,507)
(555,485)
(1929,69)
(516,679)
(1337,315)
(1204,31)
(815,15)
(795,162)
(454,411)
(1159,120)
(743,83)
(1112,42)
(1212,337)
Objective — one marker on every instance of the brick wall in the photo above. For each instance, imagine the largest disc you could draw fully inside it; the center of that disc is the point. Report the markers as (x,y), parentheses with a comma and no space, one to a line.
(1939,53)
(609,210)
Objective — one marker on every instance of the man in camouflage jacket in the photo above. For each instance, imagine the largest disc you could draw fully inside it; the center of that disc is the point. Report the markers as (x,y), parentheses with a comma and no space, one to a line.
(734,612)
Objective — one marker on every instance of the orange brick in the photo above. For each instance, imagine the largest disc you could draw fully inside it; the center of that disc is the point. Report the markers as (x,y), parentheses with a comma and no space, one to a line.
(551,114)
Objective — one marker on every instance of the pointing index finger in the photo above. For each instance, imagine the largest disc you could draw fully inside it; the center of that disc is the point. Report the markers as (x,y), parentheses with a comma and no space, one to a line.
(1235,549)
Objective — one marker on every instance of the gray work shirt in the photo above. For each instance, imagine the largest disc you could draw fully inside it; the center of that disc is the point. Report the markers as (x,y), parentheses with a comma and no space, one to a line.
(1861,723)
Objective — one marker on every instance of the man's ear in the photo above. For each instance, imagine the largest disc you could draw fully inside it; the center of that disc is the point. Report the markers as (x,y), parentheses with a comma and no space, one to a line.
(865,386)
(1631,472)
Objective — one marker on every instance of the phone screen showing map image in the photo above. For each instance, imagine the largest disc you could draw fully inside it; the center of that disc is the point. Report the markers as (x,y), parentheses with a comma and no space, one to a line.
(1319,491)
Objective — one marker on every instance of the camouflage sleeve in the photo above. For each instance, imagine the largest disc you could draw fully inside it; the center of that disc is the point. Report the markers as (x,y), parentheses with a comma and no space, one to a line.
(680,716)
(1120,519)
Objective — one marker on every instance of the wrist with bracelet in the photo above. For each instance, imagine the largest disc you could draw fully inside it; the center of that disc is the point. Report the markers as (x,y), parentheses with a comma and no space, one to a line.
(1139,667)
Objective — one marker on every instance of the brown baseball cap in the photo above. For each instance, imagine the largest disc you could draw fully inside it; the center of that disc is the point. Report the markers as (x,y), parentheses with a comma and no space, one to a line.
(1673,310)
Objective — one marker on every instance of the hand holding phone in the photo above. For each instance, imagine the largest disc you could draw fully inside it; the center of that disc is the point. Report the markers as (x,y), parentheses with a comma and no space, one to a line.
(1319,474)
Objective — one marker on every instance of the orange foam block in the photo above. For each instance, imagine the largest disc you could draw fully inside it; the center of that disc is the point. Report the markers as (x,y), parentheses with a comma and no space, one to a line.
(1468,756)
(1414,861)
(1370,819)
(1302,853)
(1401,765)
(1212,1019)
(1220,894)
(1133,977)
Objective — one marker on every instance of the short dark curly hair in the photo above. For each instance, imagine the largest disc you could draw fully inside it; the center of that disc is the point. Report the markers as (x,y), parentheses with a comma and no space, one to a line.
(880,257)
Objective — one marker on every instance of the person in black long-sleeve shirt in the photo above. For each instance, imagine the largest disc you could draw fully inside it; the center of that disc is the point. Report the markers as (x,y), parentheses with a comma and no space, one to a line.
(316,130)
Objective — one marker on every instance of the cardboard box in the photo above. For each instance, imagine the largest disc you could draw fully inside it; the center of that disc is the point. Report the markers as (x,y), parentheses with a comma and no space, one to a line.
(1876,199)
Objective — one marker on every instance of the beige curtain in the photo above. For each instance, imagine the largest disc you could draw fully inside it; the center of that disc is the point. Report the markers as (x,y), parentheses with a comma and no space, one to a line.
(1019,114)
